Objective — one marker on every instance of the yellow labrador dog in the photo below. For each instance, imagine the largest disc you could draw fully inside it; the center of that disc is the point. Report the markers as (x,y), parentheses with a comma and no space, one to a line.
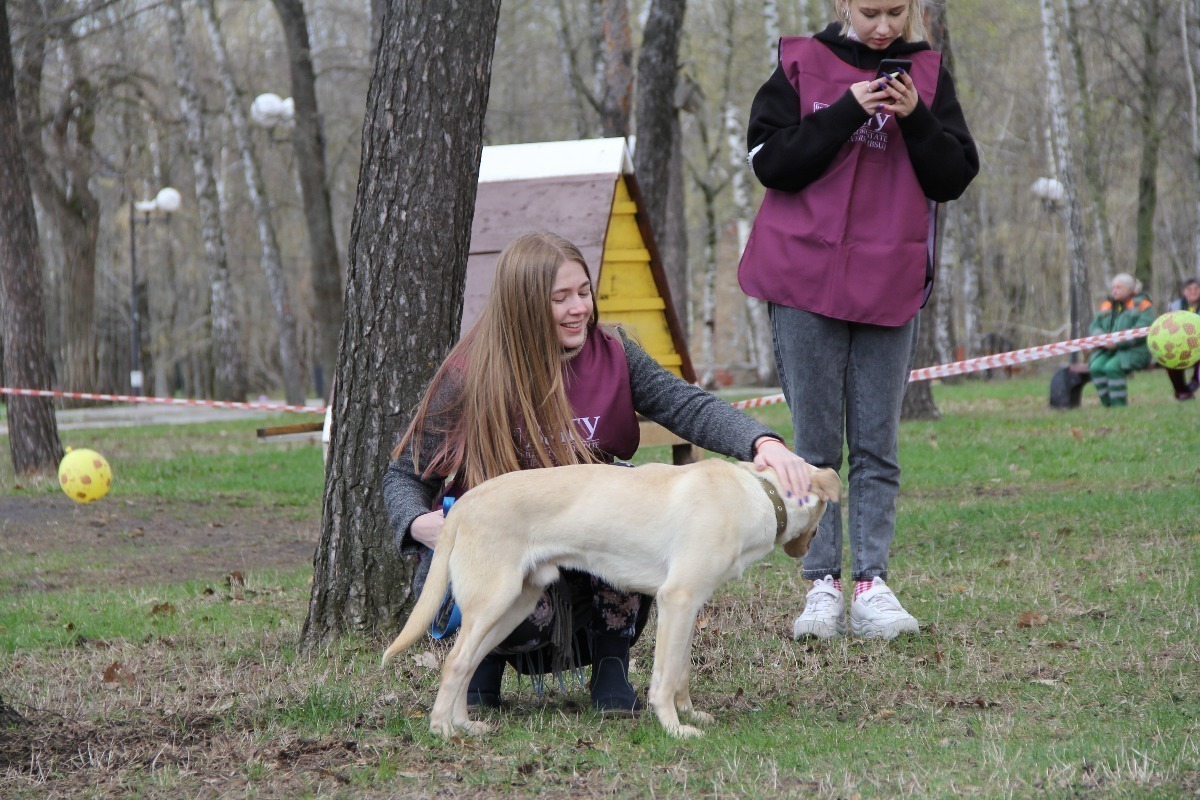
(673,532)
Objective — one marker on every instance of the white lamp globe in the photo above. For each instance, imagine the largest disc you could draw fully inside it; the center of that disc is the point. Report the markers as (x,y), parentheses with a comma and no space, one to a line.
(167,200)
(265,110)
(1048,189)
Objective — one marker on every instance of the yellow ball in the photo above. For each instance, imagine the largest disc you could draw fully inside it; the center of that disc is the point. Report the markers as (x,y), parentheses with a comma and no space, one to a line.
(84,475)
(1174,339)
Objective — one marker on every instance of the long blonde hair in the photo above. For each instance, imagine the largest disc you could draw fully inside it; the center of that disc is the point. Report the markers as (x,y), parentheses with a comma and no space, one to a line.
(914,26)
(512,408)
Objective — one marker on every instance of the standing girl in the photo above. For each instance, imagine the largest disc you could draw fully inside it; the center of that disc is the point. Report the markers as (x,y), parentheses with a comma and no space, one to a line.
(536,382)
(854,159)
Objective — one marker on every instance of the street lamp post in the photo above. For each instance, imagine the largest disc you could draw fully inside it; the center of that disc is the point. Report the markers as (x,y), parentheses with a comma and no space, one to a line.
(167,201)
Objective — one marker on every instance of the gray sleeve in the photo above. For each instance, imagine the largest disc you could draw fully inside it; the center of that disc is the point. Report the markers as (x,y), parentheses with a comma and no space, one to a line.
(688,411)
(407,496)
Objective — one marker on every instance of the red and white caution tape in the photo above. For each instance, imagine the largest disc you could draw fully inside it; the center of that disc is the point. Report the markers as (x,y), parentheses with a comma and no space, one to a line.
(991,362)
(162,401)
(927,373)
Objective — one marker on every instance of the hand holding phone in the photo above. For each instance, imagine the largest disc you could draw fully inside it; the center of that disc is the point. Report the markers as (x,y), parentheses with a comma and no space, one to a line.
(893,67)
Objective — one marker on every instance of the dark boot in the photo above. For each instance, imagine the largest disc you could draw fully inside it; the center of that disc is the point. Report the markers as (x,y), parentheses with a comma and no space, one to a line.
(484,689)
(611,692)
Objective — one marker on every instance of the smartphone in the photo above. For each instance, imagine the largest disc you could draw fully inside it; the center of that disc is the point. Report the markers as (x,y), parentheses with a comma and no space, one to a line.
(892,66)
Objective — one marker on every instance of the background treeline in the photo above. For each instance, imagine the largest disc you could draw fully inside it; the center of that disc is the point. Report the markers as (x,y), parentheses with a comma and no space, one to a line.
(102,86)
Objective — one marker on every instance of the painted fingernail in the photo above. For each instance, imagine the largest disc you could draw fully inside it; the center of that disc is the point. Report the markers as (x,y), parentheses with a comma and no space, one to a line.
(877,87)
(879,108)
(889,78)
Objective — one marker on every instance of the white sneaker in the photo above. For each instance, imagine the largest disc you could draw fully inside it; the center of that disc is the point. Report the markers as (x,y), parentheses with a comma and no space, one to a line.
(877,614)
(824,614)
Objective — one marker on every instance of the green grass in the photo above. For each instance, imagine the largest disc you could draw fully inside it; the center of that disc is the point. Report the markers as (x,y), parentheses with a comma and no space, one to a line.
(201,462)
(1050,556)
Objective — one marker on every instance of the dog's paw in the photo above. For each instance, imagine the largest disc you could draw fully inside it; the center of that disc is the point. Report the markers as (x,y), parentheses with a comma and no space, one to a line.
(474,727)
(685,732)
(700,717)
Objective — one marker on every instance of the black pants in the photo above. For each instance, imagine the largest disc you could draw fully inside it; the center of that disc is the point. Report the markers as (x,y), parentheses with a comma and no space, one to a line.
(558,633)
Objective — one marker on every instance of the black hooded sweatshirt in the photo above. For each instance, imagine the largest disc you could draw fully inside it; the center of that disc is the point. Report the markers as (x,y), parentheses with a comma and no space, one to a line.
(795,152)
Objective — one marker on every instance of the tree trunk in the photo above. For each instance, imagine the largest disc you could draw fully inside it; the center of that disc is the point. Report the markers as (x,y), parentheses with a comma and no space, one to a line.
(229,366)
(918,401)
(658,137)
(708,296)
(933,333)
(1097,196)
(615,91)
(32,429)
(802,17)
(308,138)
(63,187)
(577,88)
(1148,126)
(673,243)
(964,218)
(422,141)
(1056,102)
(269,257)
(1189,12)
(759,339)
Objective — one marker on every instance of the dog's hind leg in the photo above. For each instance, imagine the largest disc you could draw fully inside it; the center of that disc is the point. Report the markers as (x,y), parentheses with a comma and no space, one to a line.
(677,610)
(482,629)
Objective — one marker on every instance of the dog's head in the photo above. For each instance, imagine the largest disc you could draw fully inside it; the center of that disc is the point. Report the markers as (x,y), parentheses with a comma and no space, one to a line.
(826,488)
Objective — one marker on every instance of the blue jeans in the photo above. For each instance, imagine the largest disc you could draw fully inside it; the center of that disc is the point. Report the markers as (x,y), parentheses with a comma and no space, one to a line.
(847,378)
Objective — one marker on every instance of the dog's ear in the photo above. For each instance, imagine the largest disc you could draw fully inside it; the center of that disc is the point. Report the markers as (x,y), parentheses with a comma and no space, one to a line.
(827,485)
(796,548)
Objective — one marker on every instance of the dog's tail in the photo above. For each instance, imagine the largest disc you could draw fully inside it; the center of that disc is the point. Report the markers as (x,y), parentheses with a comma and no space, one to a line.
(431,594)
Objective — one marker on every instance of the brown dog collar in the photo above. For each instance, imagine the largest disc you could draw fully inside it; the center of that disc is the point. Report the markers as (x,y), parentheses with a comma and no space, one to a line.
(777,504)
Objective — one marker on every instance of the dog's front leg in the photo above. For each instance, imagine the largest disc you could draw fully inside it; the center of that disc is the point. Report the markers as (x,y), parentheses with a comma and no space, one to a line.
(677,610)
(683,696)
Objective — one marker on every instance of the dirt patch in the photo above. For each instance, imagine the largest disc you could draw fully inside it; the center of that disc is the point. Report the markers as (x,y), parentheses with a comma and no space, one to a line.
(134,544)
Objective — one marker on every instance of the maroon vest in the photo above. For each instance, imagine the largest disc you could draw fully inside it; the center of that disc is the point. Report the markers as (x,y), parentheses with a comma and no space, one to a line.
(856,243)
(597,384)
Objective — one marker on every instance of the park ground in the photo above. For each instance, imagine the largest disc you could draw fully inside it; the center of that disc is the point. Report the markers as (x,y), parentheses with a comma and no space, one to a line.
(149,639)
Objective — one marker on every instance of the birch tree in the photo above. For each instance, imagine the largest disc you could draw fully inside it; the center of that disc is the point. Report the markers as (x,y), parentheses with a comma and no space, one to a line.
(759,340)
(1148,93)
(1057,109)
(33,431)
(269,256)
(1097,196)
(718,165)
(422,142)
(933,334)
(225,329)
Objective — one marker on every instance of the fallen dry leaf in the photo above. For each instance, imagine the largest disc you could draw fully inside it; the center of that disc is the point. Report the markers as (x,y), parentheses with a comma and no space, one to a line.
(1078,434)
(1031,619)
(163,610)
(117,673)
